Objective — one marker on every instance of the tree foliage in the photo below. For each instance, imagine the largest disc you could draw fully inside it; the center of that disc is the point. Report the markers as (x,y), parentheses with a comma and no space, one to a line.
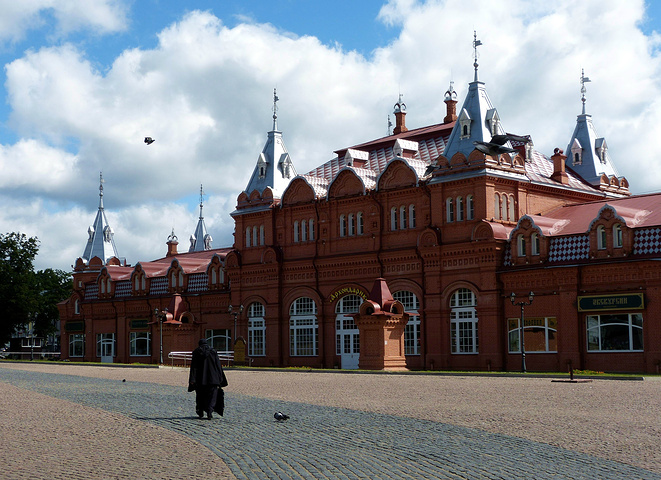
(26,295)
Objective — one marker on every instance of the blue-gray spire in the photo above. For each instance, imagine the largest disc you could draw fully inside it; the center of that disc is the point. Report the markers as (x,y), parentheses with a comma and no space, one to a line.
(587,154)
(274,167)
(200,240)
(100,241)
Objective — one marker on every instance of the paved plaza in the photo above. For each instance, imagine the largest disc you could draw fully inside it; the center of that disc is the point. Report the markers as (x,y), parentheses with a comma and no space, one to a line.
(88,422)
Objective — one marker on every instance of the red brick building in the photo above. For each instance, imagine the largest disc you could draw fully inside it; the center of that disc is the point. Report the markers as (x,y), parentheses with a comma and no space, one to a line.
(454,216)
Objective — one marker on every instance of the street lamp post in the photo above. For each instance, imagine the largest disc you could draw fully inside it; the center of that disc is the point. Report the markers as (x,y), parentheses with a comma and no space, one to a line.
(522,303)
(235,312)
(160,316)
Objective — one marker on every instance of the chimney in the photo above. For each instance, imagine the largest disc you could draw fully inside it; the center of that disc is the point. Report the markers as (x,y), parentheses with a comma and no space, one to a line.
(172,245)
(400,114)
(559,174)
(451,104)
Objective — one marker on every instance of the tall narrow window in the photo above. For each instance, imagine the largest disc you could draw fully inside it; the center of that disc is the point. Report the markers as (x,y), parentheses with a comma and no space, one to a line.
(411,216)
(304,231)
(247,236)
(402,217)
(261,235)
(534,243)
(352,225)
(510,205)
(296,231)
(503,207)
(617,236)
(343,226)
(470,207)
(311,229)
(521,245)
(460,209)
(449,210)
(496,206)
(255,237)
(360,227)
(256,330)
(393,218)
(601,237)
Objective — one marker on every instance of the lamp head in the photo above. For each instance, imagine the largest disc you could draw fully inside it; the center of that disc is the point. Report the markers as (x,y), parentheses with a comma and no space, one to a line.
(531,296)
(512,298)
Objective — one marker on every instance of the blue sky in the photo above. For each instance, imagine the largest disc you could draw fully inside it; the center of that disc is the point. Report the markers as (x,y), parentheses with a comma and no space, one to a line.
(85,81)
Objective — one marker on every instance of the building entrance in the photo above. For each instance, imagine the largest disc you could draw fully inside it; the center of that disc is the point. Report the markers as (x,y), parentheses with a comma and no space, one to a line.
(346,332)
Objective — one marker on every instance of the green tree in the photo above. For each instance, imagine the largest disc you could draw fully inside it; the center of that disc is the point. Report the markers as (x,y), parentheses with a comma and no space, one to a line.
(26,295)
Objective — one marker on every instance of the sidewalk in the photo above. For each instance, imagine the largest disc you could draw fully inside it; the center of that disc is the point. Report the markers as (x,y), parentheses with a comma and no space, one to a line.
(408,424)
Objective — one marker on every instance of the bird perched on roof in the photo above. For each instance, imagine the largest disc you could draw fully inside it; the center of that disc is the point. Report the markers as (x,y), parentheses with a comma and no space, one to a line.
(149,140)
(279,416)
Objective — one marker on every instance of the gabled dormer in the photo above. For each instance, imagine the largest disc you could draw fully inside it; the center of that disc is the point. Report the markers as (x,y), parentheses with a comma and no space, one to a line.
(139,281)
(176,278)
(105,284)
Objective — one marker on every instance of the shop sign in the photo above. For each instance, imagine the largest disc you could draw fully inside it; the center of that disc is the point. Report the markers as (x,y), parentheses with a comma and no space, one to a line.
(347,291)
(75,326)
(627,301)
(140,324)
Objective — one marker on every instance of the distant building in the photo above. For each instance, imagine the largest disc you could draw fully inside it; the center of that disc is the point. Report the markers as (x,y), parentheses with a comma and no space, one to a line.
(455,216)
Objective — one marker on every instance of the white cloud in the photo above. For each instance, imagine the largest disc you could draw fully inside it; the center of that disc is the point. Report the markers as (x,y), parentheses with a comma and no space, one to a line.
(205,94)
(101,16)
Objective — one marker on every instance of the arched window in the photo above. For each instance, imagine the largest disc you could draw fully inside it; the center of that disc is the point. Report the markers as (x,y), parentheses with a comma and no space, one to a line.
(247,236)
(296,231)
(503,207)
(343,226)
(460,209)
(449,210)
(411,216)
(534,243)
(311,229)
(463,322)
(601,237)
(393,218)
(470,208)
(617,236)
(303,327)
(76,306)
(304,231)
(402,217)
(352,225)
(360,227)
(465,131)
(261,235)
(510,202)
(256,330)
(412,331)
(347,339)
(496,206)
(255,237)
(521,245)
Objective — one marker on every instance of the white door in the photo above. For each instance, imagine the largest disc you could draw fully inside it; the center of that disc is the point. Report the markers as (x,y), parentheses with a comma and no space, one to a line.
(348,342)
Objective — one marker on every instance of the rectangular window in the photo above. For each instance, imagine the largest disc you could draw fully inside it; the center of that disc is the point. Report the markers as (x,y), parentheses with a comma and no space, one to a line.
(303,336)
(539,333)
(256,334)
(77,345)
(622,332)
(139,343)
(219,339)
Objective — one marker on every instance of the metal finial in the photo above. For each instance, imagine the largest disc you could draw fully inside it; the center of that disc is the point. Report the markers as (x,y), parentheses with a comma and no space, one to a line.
(476,43)
(101,182)
(584,80)
(275,110)
(201,199)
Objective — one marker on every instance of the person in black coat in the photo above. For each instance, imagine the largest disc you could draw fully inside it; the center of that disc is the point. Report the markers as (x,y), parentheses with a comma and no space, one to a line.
(207,379)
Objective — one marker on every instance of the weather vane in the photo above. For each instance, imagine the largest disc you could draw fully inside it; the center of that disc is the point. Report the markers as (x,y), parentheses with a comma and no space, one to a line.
(476,43)
(584,80)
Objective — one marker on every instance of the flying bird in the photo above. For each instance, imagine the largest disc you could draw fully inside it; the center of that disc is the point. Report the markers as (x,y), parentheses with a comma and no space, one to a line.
(279,416)
(149,140)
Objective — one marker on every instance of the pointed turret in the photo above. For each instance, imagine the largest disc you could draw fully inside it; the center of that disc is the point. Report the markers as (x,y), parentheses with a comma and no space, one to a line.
(274,167)
(587,153)
(200,240)
(100,242)
(477,121)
